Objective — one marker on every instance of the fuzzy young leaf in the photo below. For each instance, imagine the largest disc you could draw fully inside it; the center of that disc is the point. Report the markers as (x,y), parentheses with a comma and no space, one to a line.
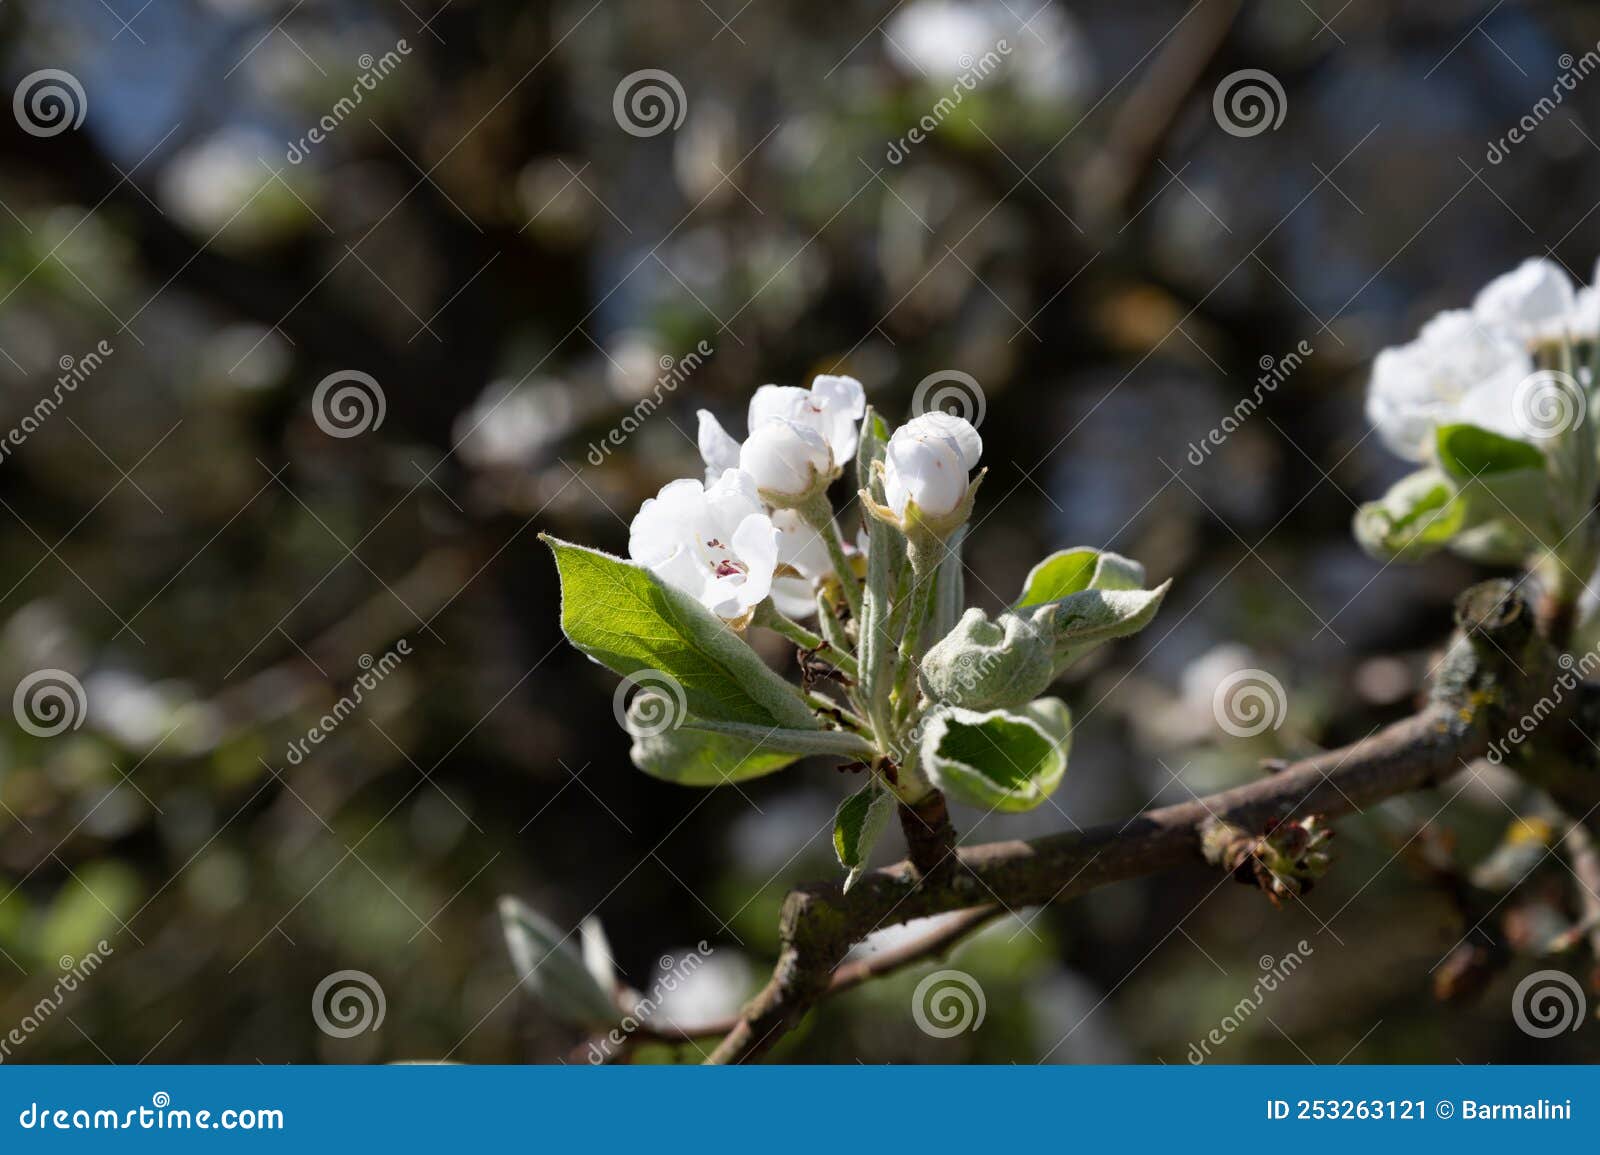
(552,969)
(1001,760)
(1115,572)
(950,597)
(983,664)
(1083,621)
(885,561)
(1419,514)
(859,823)
(691,757)
(628,620)
(834,743)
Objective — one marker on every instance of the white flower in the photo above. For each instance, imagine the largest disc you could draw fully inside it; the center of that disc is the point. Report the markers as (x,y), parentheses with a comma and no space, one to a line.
(927,462)
(802,549)
(1528,300)
(948,42)
(714,543)
(786,459)
(831,410)
(1458,369)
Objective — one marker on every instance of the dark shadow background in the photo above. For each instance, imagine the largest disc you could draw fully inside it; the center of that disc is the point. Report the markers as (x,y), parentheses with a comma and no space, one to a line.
(484,240)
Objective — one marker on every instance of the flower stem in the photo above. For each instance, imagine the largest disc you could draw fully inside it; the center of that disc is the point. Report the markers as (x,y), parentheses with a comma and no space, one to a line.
(921,598)
(772,618)
(826,704)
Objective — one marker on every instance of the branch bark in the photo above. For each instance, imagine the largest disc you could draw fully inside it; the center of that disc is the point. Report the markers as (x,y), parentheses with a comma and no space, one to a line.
(1494,668)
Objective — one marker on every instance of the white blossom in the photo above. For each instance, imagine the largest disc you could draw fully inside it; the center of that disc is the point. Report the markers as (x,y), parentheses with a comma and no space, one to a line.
(1527,301)
(801,548)
(928,460)
(715,543)
(786,459)
(1459,369)
(831,410)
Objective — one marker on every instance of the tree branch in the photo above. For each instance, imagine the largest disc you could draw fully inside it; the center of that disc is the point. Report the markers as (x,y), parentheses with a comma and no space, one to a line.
(1495,664)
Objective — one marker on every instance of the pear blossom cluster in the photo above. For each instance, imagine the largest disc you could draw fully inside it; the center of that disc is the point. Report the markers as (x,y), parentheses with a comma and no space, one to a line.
(759,525)
(1482,365)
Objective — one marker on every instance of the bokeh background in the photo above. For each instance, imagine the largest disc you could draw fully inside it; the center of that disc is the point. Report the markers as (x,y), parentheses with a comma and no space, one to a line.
(510,265)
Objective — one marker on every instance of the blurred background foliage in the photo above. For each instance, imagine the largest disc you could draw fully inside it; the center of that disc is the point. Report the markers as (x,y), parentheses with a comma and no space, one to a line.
(483,239)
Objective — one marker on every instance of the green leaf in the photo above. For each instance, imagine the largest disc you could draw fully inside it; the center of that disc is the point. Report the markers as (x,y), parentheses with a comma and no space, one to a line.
(691,757)
(1466,452)
(859,823)
(628,620)
(950,597)
(1419,514)
(835,743)
(1115,572)
(1070,571)
(1000,760)
(1081,622)
(552,970)
(1064,572)
(983,664)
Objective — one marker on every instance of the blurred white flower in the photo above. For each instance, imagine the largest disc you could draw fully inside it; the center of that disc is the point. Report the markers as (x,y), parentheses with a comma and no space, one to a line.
(714,988)
(935,35)
(1048,60)
(1527,299)
(714,543)
(221,189)
(508,425)
(928,460)
(1459,368)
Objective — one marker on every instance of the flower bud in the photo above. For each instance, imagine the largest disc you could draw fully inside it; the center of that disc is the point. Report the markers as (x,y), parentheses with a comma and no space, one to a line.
(787,460)
(927,462)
